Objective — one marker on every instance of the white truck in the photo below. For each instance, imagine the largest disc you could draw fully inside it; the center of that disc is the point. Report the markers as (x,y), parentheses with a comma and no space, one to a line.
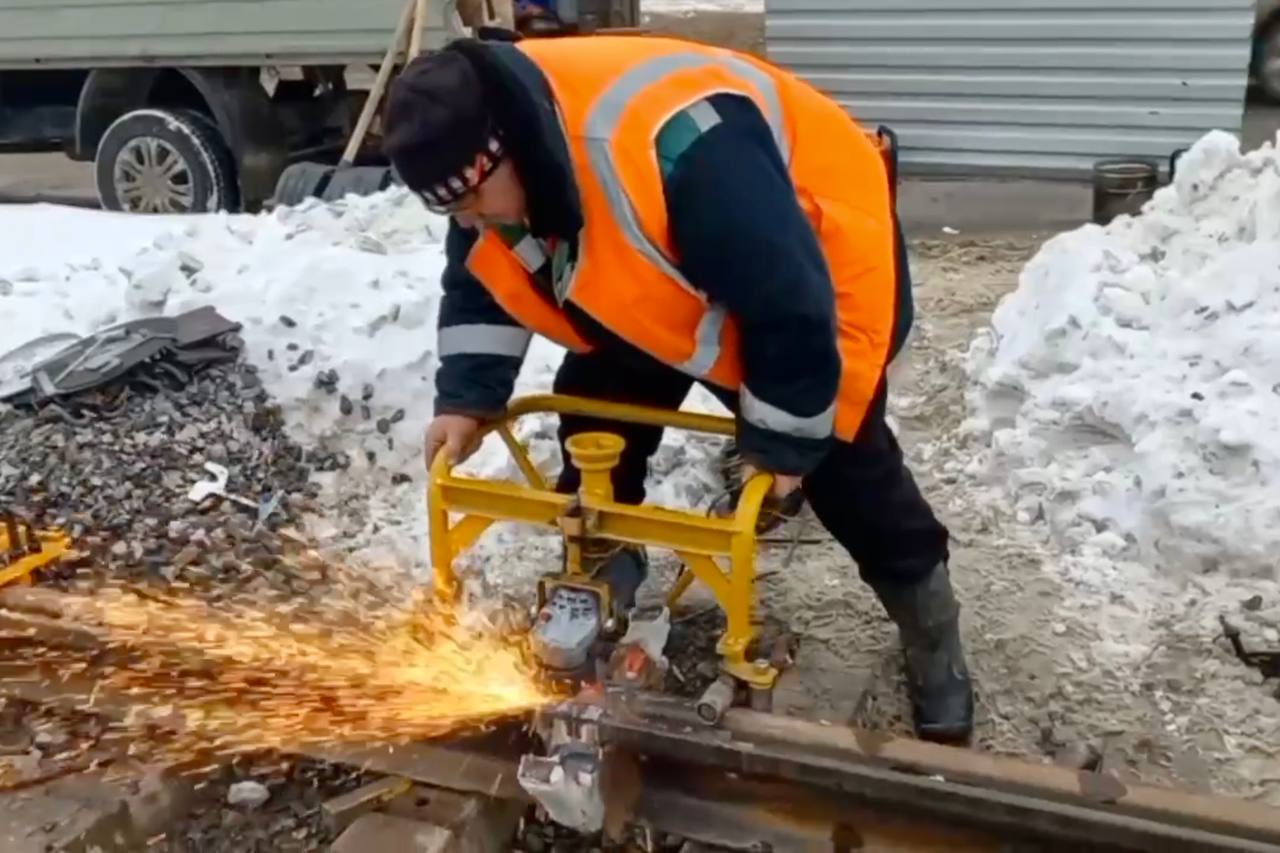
(199,105)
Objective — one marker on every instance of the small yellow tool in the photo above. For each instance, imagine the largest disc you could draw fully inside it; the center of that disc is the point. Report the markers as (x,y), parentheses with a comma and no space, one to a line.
(719,551)
(24,550)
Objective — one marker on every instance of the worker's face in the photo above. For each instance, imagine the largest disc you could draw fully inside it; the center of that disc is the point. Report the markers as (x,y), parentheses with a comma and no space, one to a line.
(498,201)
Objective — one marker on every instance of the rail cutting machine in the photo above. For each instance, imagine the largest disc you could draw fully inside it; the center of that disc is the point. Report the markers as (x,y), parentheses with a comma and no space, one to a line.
(584,629)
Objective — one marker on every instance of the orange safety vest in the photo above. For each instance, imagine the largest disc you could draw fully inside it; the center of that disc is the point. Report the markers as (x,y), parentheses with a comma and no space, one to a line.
(614,94)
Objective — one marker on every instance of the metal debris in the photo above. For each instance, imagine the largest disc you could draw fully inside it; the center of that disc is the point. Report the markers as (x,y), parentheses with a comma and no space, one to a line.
(110,483)
(251,794)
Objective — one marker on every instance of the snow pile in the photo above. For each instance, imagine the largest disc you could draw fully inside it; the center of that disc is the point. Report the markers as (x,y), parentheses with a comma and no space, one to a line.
(1129,389)
(351,287)
(339,304)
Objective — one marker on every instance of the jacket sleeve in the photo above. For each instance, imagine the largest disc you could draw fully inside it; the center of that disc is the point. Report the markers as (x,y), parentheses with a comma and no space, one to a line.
(480,346)
(742,239)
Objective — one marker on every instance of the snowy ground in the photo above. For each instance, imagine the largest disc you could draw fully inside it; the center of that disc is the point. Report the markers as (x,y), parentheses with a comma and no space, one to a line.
(1124,408)
(1023,427)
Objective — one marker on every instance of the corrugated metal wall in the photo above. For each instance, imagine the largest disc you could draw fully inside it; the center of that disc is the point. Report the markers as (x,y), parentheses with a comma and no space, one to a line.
(1024,86)
(52,33)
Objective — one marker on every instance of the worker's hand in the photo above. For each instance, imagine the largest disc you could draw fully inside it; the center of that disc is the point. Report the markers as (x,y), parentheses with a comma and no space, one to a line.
(458,435)
(783,484)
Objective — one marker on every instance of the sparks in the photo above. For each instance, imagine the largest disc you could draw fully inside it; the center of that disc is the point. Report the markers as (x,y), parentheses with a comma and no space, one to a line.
(251,675)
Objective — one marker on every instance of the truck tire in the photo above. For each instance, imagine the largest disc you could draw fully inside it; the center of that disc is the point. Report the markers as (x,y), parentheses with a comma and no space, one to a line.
(165,161)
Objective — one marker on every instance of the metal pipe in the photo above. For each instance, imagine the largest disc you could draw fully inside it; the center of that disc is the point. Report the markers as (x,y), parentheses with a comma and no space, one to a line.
(715,700)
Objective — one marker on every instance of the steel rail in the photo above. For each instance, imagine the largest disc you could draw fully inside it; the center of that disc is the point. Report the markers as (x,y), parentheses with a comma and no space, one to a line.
(960,787)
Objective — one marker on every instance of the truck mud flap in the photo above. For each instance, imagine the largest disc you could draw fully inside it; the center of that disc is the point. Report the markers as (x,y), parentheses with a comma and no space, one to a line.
(330,183)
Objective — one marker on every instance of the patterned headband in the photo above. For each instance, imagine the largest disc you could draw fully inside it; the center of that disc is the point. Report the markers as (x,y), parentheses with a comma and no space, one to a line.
(453,188)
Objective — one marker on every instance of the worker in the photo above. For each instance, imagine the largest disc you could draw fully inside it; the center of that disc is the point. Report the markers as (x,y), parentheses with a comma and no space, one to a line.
(674,213)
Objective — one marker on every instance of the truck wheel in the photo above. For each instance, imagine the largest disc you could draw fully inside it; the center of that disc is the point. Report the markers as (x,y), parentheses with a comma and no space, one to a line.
(165,161)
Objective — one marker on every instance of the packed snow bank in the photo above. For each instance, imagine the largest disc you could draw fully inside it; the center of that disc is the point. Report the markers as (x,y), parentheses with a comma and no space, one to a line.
(48,236)
(339,305)
(1130,387)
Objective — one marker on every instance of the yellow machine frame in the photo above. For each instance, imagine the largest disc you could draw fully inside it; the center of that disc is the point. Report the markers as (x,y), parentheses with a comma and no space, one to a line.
(38,548)
(700,541)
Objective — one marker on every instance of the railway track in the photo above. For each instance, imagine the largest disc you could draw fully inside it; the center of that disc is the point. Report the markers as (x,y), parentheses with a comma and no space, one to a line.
(752,782)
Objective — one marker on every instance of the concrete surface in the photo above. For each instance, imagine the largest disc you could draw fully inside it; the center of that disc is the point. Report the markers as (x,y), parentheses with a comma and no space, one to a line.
(46,177)
(927,207)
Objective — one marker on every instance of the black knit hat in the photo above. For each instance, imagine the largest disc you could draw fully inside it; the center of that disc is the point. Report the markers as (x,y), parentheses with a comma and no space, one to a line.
(439,132)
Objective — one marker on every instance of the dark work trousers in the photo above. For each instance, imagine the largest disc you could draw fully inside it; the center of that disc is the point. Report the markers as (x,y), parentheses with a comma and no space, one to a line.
(862,492)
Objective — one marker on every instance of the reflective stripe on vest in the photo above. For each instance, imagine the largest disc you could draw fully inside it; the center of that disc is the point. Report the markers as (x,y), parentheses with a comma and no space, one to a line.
(504,275)
(601,123)
(530,253)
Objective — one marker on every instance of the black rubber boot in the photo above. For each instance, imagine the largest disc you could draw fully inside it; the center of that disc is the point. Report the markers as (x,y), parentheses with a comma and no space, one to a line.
(938,683)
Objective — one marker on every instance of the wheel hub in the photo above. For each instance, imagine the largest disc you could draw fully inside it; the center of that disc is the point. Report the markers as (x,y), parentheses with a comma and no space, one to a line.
(150,176)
